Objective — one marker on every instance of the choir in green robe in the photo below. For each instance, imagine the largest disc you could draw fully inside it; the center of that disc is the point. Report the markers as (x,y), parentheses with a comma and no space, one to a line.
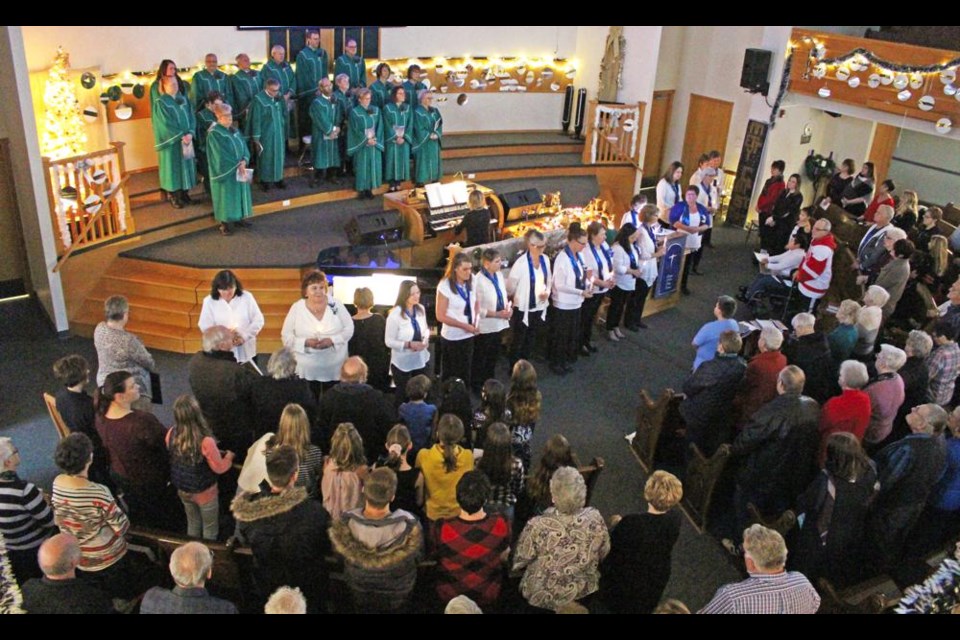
(266,130)
(412,88)
(367,158)
(173,118)
(155,90)
(354,68)
(205,120)
(381,93)
(282,73)
(427,140)
(397,125)
(312,64)
(325,114)
(245,85)
(204,82)
(226,148)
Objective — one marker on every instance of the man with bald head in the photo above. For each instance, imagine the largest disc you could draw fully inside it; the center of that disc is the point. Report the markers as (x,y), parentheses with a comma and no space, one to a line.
(246,83)
(59,591)
(353,400)
(191,566)
(208,79)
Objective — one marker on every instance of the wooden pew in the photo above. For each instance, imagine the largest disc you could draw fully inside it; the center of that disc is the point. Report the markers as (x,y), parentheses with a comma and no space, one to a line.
(872,596)
(698,486)
(781,523)
(652,418)
(951,213)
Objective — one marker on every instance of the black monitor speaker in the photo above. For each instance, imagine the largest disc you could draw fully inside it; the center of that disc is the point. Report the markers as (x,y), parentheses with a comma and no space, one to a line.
(756,70)
(516,203)
(374,228)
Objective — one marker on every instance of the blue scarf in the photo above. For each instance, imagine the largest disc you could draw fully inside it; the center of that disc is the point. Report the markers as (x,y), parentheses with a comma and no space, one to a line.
(596,256)
(417,336)
(633,256)
(633,217)
(685,218)
(708,189)
(464,292)
(533,279)
(496,287)
(653,236)
(579,269)
(676,191)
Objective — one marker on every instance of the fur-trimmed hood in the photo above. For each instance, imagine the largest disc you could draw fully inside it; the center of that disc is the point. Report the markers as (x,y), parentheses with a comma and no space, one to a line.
(250,507)
(377,544)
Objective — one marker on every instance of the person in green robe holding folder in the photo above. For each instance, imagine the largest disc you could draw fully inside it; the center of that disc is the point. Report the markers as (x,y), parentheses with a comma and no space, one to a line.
(206,118)
(365,144)
(279,69)
(174,124)
(398,136)
(207,80)
(267,134)
(382,86)
(229,155)
(312,64)
(427,140)
(351,65)
(412,85)
(326,118)
(245,84)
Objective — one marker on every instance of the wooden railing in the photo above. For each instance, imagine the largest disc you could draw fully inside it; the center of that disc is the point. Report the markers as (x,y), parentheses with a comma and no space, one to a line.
(613,133)
(87,208)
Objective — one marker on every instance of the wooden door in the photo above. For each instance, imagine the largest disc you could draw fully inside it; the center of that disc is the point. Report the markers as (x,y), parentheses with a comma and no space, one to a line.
(660,110)
(13,268)
(708,123)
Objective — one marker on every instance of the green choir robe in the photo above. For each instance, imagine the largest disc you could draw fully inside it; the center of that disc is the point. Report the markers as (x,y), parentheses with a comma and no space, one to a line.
(155,90)
(245,85)
(205,120)
(325,115)
(426,150)
(266,126)
(367,159)
(346,104)
(312,64)
(381,94)
(411,90)
(354,67)
(204,82)
(282,73)
(397,156)
(173,118)
(232,200)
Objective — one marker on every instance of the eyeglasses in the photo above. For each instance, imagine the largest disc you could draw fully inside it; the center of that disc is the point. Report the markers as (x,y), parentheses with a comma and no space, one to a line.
(537,245)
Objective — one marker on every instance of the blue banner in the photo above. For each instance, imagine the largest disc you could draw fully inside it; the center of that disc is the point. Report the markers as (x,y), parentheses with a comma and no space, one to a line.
(668,278)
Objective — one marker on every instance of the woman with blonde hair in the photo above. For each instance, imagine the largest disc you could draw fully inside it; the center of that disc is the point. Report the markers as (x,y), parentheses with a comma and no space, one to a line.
(195,463)
(367,340)
(443,465)
(843,339)
(869,320)
(344,472)
(906,215)
(294,430)
(523,401)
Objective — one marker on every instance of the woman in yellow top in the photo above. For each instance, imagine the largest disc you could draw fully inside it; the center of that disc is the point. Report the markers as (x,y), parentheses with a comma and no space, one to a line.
(443,465)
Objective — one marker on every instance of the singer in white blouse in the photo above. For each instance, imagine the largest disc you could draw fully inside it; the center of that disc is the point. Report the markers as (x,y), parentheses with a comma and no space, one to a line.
(572,282)
(650,251)
(458,312)
(495,311)
(317,329)
(230,306)
(626,269)
(599,259)
(408,337)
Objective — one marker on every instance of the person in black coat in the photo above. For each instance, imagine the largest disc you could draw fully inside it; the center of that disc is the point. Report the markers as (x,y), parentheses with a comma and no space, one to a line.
(286,531)
(476,222)
(810,350)
(280,387)
(76,408)
(777,449)
(916,380)
(353,400)
(367,341)
(775,232)
(708,407)
(832,515)
(60,591)
(223,389)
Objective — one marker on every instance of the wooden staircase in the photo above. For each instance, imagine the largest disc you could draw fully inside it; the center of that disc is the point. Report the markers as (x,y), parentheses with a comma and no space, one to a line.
(166,300)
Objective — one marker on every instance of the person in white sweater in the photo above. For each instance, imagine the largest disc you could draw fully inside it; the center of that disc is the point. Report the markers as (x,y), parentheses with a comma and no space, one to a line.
(598,257)
(408,338)
(626,269)
(495,311)
(571,286)
(230,306)
(528,285)
(780,268)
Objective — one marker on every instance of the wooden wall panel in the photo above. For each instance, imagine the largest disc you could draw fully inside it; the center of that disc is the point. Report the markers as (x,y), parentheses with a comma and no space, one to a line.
(885,139)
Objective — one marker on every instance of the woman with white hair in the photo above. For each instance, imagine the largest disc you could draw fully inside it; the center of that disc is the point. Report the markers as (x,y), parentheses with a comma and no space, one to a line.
(26,519)
(886,396)
(561,550)
(848,412)
(279,387)
(869,320)
(120,350)
(916,379)
(228,155)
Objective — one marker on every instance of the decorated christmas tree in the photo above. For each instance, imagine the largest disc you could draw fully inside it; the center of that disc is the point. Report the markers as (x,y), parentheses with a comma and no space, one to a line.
(63,131)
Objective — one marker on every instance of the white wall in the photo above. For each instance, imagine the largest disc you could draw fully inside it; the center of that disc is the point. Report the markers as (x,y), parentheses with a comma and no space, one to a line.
(530,41)
(934,151)
(668,61)
(640,74)
(591,42)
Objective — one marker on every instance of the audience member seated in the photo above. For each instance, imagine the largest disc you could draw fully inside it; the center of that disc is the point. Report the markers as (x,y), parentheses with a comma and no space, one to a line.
(120,350)
(943,365)
(443,465)
(916,379)
(777,450)
(843,338)
(286,531)
(471,548)
(556,453)
(139,462)
(759,384)
(76,408)
(894,274)
(637,569)
(25,517)
(770,589)
(561,550)
(886,395)
(281,386)
(816,271)
(780,269)
(59,591)
(809,350)
(848,412)
(286,601)
(705,342)
(832,515)
(88,511)
(223,389)
(869,321)
(908,471)
(707,408)
(380,548)
(191,565)
(353,400)
(344,471)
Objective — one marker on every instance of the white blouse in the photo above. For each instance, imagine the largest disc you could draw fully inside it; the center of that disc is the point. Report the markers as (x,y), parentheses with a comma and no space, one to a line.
(565,294)
(301,325)
(518,286)
(648,264)
(457,309)
(487,302)
(600,270)
(242,314)
(666,198)
(399,332)
(621,262)
(632,217)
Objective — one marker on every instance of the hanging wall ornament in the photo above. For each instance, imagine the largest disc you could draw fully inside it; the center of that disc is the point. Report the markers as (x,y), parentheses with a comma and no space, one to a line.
(88,80)
(114,93)
(820,71)
(123,111)
(820,51)
(127,87)
(943,126)
(904,95)
(916,80)
(873,81)
(948,76)
(886,77)
(854,82)
(90,114)
(843,73)
(138,91)
(901,81)
(104,97)
(926,103)
(824,92)
(949,90)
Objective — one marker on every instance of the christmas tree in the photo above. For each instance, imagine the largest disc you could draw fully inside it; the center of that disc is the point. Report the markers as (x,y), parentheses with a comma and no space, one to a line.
(63,133)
